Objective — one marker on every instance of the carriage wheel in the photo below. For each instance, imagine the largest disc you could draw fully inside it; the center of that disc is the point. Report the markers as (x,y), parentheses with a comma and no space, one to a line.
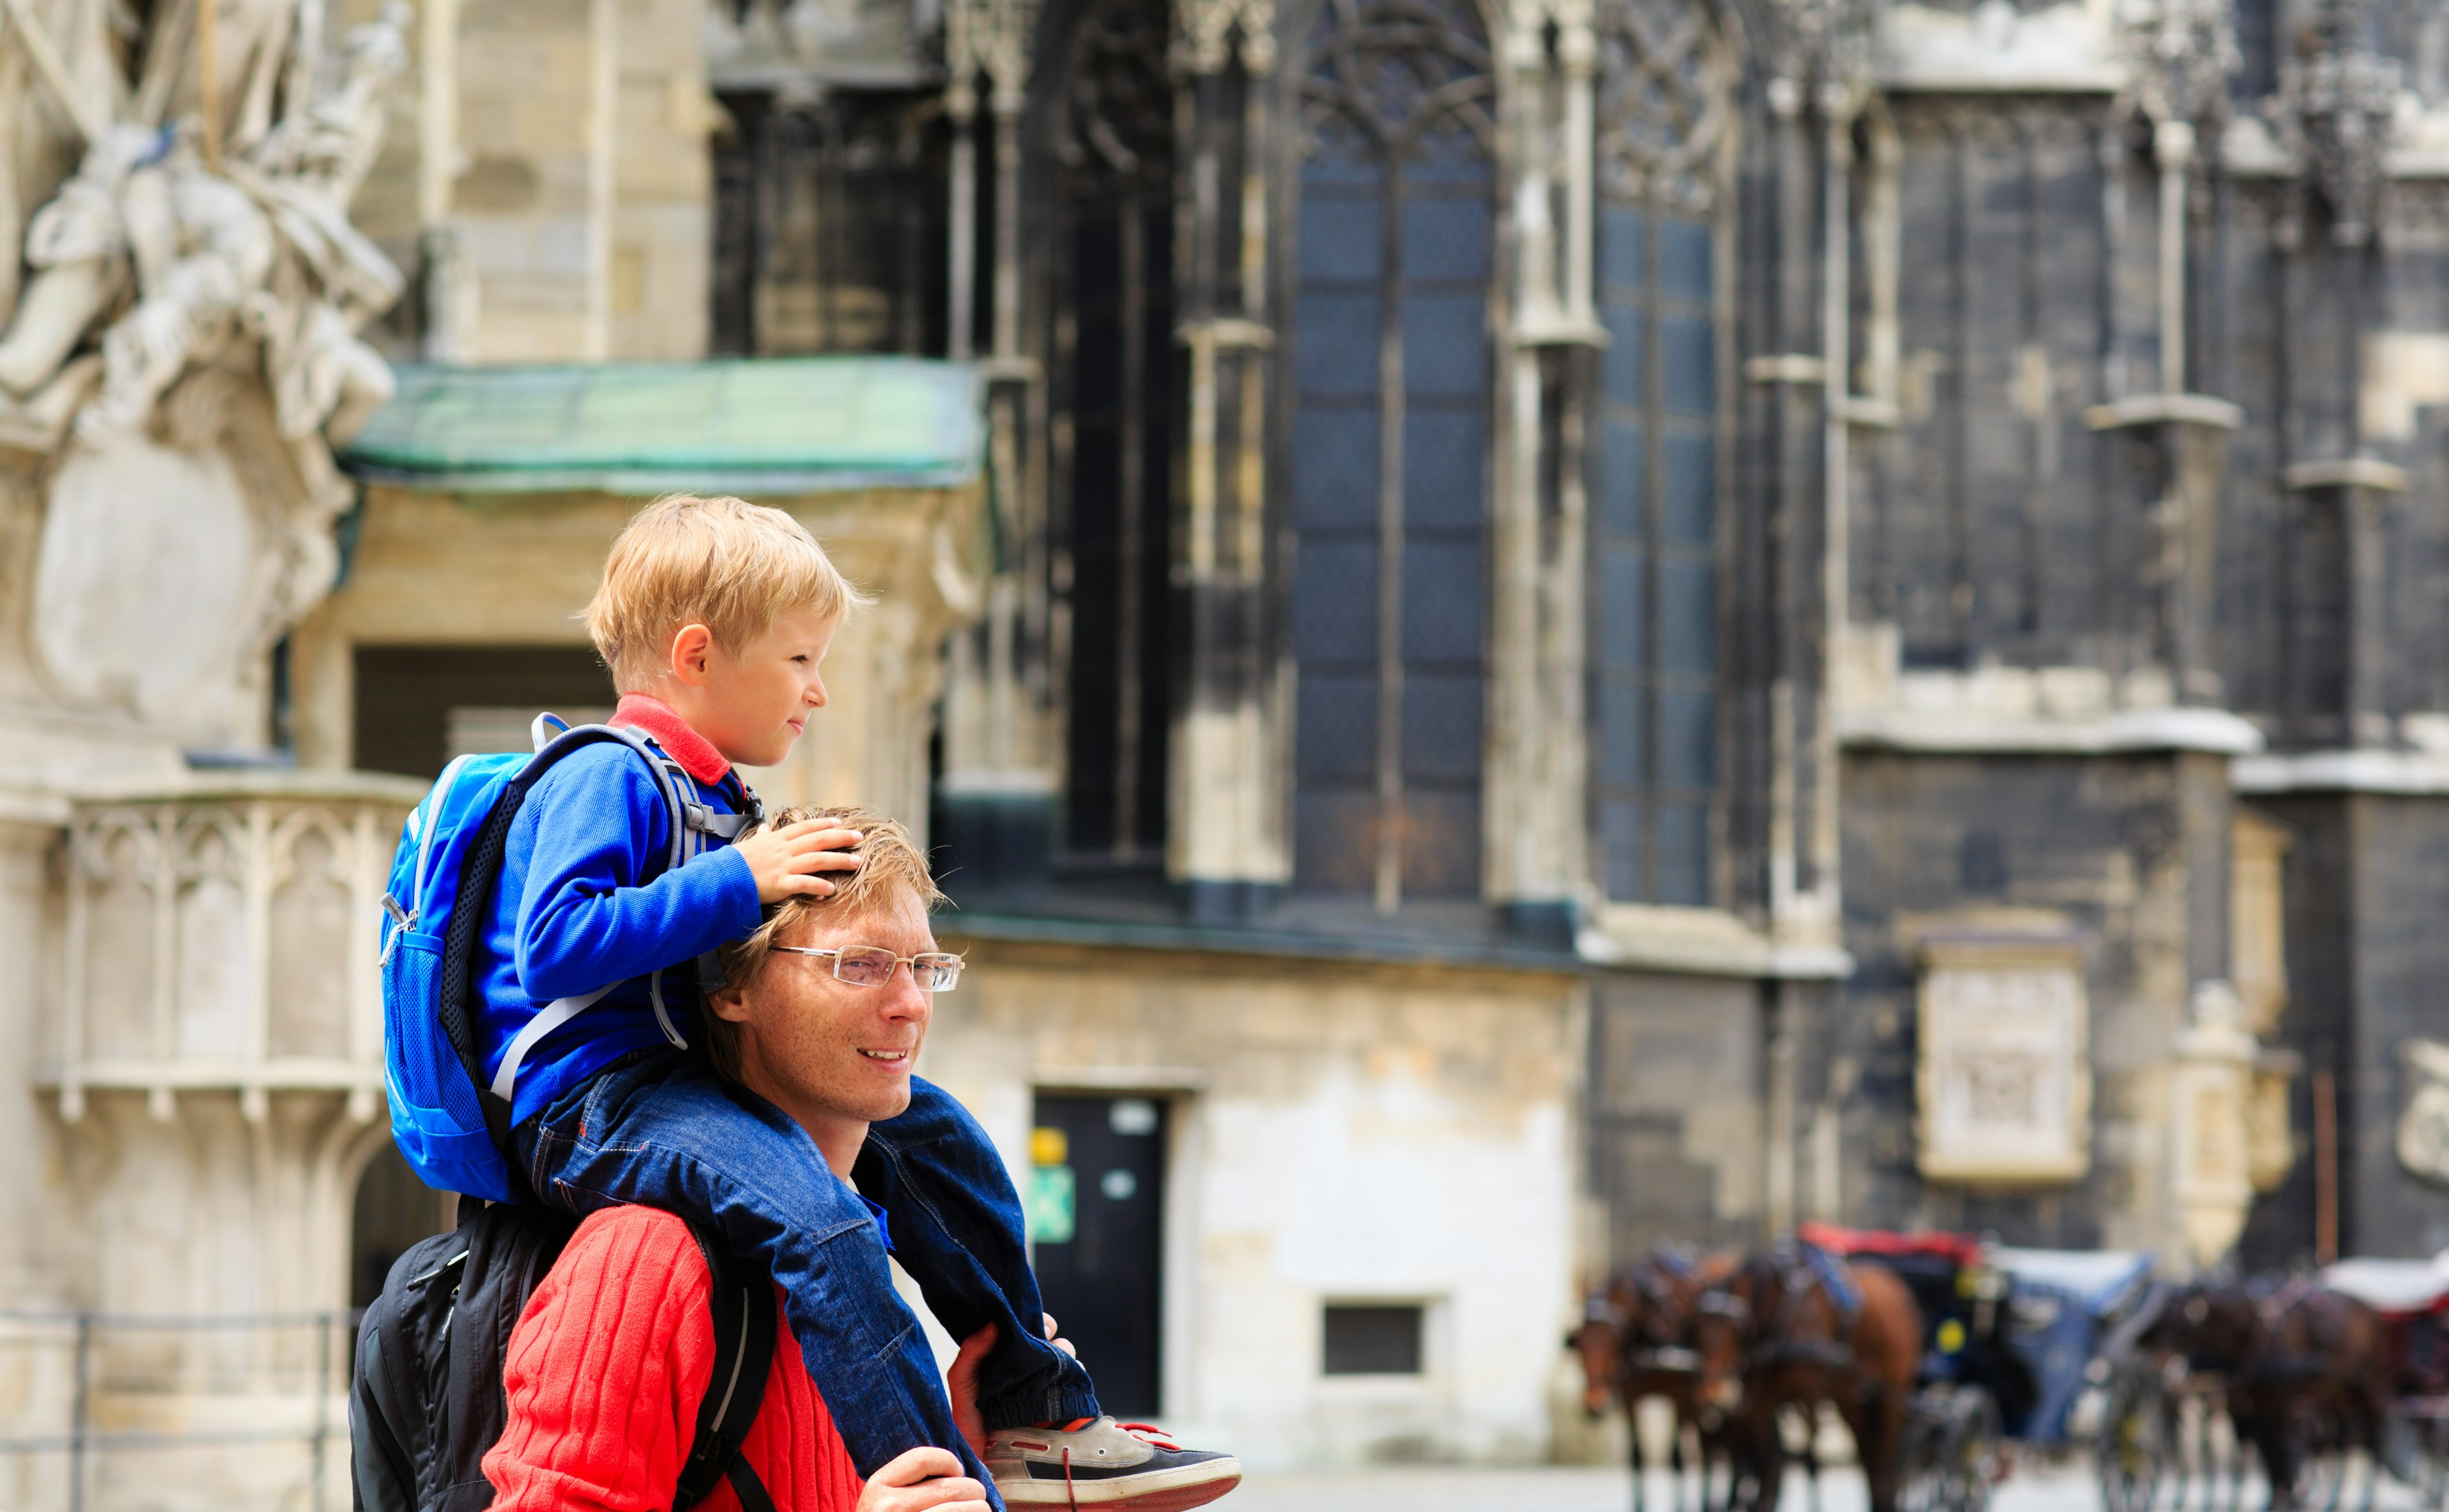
(2133,1452)
(1922,1480)
(1972,1449)
(2431,1436)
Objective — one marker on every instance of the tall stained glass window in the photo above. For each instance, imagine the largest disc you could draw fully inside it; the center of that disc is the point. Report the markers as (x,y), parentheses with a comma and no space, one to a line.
(1654,593)
(1390,448)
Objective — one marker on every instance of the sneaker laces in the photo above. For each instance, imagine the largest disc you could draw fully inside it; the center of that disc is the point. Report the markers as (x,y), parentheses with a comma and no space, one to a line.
(1148,1433)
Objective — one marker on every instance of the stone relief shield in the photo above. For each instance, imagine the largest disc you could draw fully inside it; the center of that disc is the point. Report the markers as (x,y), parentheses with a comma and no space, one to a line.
(2005,1076)
(2423,1123)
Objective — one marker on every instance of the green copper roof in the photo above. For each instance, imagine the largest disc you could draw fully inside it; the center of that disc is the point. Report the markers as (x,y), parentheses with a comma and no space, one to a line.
(772,426)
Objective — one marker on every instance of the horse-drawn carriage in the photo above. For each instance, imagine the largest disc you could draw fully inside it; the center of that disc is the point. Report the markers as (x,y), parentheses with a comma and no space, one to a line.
(2293,1374)
(2411,1299)
(1936,1349)
(2008,1339)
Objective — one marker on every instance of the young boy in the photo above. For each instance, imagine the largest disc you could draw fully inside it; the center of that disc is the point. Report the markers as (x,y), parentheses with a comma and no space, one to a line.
(714,616)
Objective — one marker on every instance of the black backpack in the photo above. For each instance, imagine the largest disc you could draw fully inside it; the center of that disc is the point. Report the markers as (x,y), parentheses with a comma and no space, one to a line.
(427,1400)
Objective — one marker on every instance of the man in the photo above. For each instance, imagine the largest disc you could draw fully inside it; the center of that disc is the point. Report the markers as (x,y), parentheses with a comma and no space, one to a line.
(818,1025)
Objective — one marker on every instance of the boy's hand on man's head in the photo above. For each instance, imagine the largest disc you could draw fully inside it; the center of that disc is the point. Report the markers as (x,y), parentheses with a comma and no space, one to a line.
(787,862)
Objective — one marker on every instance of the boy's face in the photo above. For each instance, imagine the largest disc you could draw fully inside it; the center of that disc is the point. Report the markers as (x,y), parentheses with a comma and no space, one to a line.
(752,704)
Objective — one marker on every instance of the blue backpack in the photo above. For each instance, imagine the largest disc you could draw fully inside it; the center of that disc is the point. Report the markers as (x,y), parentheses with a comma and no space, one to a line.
(450,1121)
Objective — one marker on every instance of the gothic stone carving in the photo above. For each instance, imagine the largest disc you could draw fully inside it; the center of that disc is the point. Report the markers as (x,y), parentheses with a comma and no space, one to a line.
(2005,1078)
(183,359)
(2337,107)
(2180,54)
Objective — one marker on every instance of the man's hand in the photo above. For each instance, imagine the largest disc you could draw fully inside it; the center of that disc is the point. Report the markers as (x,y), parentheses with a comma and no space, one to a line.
(785,861)
(961,1384)
(924,1479)
(961,1380)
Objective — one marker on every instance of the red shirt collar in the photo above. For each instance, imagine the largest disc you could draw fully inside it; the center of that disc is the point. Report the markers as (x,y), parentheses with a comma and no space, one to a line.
(694,752)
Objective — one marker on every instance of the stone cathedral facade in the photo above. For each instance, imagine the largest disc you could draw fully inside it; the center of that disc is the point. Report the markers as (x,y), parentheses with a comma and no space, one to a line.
(1520,627)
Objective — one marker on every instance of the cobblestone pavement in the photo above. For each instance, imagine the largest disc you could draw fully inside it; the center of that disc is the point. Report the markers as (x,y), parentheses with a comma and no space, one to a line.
(2065,1487)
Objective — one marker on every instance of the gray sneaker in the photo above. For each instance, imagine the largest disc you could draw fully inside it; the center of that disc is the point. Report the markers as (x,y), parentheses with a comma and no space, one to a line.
(1109,1465)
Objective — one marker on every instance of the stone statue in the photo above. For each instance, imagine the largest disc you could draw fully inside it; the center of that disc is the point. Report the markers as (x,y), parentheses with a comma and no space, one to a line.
(185,352)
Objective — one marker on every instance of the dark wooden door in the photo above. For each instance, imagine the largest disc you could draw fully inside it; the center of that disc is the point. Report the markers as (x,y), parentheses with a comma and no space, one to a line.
(1105,1283)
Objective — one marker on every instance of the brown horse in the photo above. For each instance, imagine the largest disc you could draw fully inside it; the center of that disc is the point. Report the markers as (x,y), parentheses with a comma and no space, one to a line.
(2303,1368)
(1776,1335)
(1635,1342)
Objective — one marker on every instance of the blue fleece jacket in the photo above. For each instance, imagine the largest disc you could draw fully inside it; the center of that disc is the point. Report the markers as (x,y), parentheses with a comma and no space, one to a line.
(584,901)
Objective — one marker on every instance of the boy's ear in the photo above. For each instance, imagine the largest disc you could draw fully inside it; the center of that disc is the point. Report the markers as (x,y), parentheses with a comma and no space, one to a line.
(691,649)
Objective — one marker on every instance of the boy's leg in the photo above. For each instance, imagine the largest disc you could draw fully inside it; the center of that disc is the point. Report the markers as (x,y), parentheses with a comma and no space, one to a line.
(663,1131)
(958,1230)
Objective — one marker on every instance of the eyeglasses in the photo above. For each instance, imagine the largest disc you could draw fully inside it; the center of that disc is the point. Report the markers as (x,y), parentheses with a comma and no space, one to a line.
(872,965)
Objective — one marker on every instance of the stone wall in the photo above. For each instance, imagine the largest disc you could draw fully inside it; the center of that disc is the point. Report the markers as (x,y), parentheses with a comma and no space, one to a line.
(573,221)
(2105,849)
(1342,1132)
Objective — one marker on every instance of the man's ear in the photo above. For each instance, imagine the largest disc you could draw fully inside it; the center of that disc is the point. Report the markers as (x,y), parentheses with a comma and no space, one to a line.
(728,1004)
(691,649)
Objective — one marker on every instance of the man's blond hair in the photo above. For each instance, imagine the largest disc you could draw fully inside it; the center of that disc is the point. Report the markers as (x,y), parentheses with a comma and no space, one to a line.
(726,563)
(890,863)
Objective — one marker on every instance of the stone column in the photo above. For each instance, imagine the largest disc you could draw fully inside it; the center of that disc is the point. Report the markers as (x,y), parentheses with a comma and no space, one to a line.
(2176,463)
(2342,568)
(997,798)
(1537,819)
(1226,843)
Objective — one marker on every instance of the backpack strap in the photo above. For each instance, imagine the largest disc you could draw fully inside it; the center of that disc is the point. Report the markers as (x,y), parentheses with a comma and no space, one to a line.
(741,1300)
(688,821)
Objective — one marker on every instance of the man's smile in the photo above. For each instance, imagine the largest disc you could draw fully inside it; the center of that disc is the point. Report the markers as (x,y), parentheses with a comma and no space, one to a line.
(894,1056)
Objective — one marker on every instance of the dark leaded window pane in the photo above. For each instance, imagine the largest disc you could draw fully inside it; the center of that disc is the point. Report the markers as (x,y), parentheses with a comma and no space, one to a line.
(1441,843)
(1683,855)
(1624,738)
(1335,602)
(1624,464)
(1625,373)
(1396,215)
(1445,343)
(1687,616)
(1624,611)
(1337,486)
(1691,485)
(1341,239)
(1620,253)
(1442,589)
(1687,738)
(1689,363)
(1446,239)
(1335,839)
(1339,345)
(1653,619)
(1620,838)
(1445,468)
(1441,727)
(1337,738)
(1684,260)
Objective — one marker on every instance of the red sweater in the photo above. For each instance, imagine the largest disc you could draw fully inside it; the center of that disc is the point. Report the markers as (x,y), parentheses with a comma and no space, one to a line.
(604,1373)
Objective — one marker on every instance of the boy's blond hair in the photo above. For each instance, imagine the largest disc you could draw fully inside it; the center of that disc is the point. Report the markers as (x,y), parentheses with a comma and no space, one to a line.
(726,563)
(890,862)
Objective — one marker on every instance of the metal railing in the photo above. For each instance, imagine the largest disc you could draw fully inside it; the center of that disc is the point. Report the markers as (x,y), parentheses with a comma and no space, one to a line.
(332,1333)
